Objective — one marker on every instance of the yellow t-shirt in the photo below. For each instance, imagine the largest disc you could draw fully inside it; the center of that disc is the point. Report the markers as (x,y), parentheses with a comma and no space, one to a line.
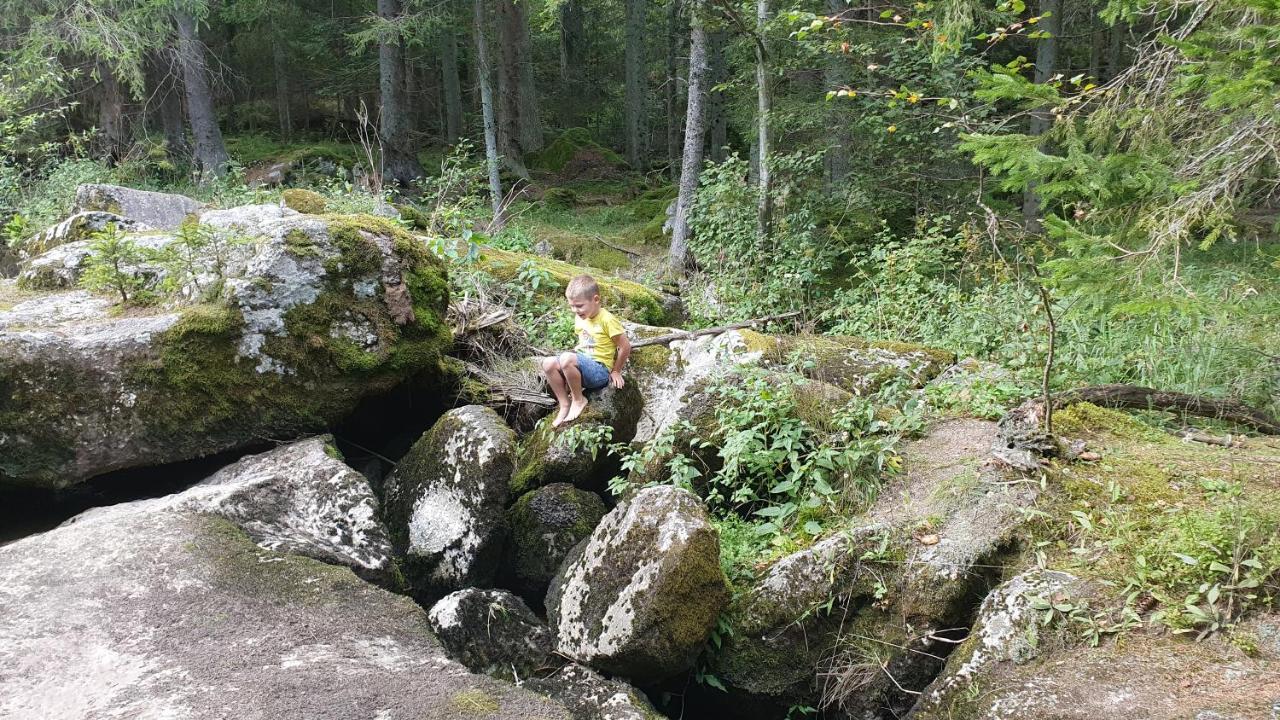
(595,336)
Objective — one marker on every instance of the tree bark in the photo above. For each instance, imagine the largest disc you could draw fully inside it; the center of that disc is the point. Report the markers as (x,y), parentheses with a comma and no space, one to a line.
(673,95)
(837,157)
(764,101)
(210,152)
(530,115)
(572,62)
(1046,61)
(679,256)
(1115,54)
(281,68)
(111,135)
(717,117)
(165,88)
(508,99)
(399,161)
(635,91)
(452,86)
(486,107)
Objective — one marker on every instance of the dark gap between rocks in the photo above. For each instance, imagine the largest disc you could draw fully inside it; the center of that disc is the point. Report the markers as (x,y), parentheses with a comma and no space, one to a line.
(27,511)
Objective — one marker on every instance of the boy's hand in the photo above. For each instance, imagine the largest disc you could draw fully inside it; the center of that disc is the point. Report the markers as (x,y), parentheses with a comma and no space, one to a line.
(615,379)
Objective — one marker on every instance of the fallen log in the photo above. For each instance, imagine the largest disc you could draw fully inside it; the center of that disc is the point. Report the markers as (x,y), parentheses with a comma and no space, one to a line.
(1134,397)
(691,334)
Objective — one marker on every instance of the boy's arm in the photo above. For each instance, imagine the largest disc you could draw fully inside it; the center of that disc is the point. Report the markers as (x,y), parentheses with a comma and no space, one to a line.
(622,348)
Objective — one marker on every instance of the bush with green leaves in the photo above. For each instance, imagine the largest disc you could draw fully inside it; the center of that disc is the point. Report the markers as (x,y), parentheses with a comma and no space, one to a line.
(778,466)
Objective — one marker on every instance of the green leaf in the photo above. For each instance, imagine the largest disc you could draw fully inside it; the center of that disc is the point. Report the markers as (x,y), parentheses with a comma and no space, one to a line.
(1186,559)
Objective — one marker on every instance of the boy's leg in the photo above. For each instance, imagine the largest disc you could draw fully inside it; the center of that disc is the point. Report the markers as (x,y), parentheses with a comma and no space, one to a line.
(559,388)
(573,376)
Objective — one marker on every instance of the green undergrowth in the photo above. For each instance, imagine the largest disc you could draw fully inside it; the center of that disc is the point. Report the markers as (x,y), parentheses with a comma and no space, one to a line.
(1177,536)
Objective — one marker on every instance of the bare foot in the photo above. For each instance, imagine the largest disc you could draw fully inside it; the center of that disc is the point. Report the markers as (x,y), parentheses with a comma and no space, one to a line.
(561,416)
(575,409)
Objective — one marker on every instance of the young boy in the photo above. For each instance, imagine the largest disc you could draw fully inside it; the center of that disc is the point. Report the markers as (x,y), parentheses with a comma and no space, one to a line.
(599,357)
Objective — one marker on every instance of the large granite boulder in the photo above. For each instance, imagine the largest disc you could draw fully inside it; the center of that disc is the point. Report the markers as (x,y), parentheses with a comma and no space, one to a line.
(640,597)
(494,632)
(1013,665)
(590,696)
(77,227)
(302,499)
(569,453)
(869,614)
(321,313)
(545,525)
(153,609)
(445,501)
(162,211)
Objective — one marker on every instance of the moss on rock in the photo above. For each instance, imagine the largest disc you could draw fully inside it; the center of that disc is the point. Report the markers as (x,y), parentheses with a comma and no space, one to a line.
(624,298)
(563,149)
(307,202)
(545,525)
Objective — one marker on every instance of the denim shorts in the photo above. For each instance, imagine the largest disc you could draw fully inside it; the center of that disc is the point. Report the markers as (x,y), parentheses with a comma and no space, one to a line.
(594,374)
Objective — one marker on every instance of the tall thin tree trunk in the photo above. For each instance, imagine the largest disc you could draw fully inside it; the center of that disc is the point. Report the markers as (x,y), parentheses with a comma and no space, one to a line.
(679,257)
(675,103)
(399,161)
(452,88)
(572,64)
(1046,59)
(486,107)
(1115,54)
(111,133)
(210,152)
(837,157)
(717,117)
(764,102)
(530,116)
(634,67)
(508,98)
(281,68)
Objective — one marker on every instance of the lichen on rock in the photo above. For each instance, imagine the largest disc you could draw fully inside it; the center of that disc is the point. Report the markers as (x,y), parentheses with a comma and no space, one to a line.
(546,524)
(445,501)
(493,632)
(641,595)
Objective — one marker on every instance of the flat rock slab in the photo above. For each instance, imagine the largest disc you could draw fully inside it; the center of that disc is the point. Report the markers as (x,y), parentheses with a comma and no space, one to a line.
(144,610)
(163,211)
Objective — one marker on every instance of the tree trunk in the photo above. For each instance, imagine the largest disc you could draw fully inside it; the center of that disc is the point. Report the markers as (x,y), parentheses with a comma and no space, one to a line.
(1097,43)
(508,99)
(673,95)
(572,63)
(111,135)
(530,116)
(210,153)
(837,157)
(399,161)
(679,257)
(717,117)
(164,88)
(634,65)
(486,107)
(1115,54)
(764,101)
(1046,60)
(281,68)
(452,88)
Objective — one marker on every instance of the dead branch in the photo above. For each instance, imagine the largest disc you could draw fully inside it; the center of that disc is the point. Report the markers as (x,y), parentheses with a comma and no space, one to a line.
(1229,441)
(686,335)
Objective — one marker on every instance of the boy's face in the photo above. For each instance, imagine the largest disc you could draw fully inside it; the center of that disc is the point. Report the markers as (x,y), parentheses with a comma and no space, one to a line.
(584,307)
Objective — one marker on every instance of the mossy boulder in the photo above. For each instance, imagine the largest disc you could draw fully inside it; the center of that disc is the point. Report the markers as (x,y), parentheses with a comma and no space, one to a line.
(79,226)
(624,298)
(546,524)
(161,211)
(445,501)
(571,454)
(575,144)
(860,365)
(584,250)
(155,609)
(307,202)
(493,632)
(321,313)
(640,597)
(590,696)
(560,197)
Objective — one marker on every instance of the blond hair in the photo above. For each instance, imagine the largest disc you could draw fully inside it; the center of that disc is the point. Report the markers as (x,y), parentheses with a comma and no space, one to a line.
(582,287)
